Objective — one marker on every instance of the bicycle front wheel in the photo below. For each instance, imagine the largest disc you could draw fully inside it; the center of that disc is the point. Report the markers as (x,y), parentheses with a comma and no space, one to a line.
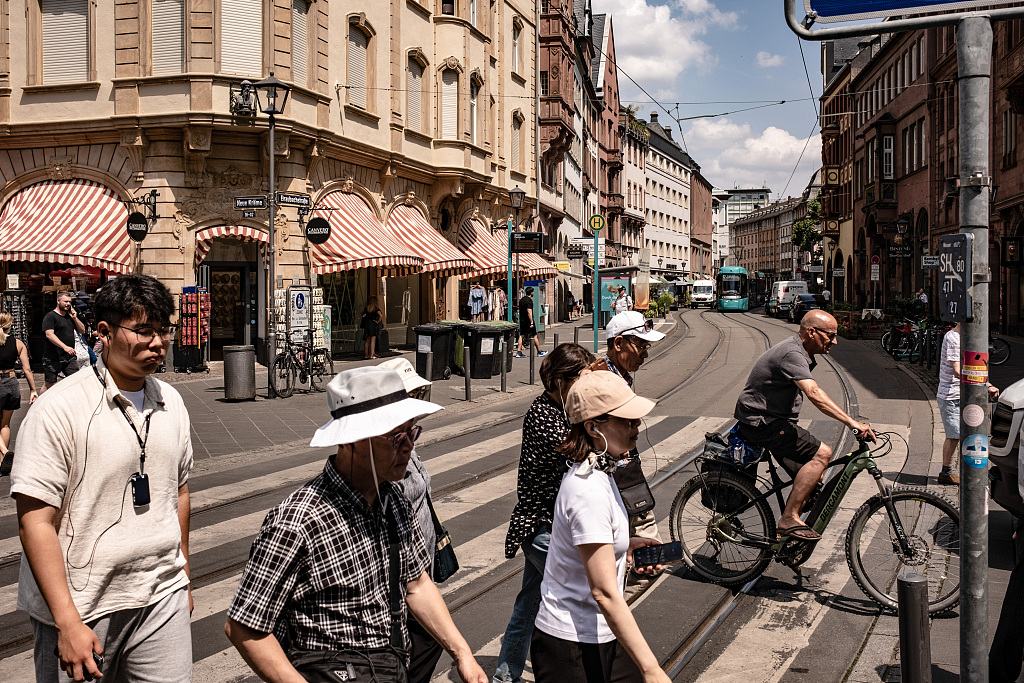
(282,376)
(998,351)
(321,369)
(932,527)
(884,341)
(711,516)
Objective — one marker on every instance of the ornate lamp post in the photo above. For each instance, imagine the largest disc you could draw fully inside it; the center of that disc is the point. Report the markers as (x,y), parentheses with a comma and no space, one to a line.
(515,197)
(275,95)
(831,256)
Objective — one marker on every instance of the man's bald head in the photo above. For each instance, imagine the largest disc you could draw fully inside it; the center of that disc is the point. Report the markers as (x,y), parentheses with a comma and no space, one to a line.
(817,318)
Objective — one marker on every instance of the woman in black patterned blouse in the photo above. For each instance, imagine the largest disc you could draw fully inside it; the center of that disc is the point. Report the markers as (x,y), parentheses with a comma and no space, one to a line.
(540,474)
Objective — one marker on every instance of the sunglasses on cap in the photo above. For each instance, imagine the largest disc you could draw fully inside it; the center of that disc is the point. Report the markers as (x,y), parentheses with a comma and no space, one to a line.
(646,327)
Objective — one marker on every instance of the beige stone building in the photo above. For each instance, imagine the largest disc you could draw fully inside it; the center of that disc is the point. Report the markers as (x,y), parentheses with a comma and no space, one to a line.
(410,118)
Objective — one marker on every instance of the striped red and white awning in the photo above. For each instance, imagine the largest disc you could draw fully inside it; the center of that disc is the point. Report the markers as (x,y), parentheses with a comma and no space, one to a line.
(358,240)
(489,252)
(244,233)
(534,265)
(440,257)
(66,221)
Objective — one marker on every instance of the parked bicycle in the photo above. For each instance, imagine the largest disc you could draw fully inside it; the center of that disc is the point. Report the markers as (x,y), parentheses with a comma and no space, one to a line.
(301,361)
(724,520)
(905,339)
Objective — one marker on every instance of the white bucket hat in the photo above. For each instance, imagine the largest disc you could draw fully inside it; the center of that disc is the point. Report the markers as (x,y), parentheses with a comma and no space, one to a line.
(366,402)
(407,372)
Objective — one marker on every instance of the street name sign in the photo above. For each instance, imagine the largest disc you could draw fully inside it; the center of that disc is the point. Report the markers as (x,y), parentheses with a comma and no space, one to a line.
(930,262)
(815,268)
(294,199)
(831,11)
(250,202)
(138,226)
(955,277)
(575,252)
(839,272)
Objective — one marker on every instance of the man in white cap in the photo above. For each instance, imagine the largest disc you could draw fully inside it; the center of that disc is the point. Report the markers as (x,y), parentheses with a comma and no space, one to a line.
(336,567)
(629,335)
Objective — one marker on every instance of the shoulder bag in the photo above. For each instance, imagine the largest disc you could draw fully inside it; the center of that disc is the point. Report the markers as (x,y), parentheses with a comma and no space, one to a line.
(373,665)
(633,488)
(445,562)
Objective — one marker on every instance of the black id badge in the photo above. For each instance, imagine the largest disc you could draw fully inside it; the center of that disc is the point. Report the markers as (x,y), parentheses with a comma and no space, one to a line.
(140,490)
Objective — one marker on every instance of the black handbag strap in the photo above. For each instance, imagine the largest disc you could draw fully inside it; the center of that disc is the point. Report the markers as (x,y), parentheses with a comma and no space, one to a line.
(397,641)
(438,531)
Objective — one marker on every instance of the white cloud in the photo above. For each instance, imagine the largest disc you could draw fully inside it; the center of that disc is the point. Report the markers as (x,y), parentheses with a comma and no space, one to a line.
(766,60)
(730,153)
(656,43)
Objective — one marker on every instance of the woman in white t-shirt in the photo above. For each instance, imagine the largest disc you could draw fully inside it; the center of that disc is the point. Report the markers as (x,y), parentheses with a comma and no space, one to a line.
(585,632)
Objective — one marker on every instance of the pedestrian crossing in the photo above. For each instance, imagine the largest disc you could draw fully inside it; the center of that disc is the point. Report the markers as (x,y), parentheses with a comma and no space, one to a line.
(483,506)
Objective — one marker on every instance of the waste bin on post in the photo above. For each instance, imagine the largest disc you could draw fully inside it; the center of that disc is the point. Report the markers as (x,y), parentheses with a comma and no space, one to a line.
(437,339)
(239,373)
(482,344)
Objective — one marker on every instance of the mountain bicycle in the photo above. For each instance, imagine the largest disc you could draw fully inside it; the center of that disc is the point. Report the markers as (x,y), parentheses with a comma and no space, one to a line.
(727,528)
(301,361)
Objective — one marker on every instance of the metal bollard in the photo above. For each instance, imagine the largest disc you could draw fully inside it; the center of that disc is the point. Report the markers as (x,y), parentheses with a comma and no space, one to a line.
(576,335)
(555,339)
(466,367)
(533,353)
(430,365)
(915,637)
(504,363)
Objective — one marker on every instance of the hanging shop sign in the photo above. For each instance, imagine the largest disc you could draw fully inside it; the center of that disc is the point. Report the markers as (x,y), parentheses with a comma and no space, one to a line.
(318,230)
(138,226)
(1011,250)
(575,252)
(839,272)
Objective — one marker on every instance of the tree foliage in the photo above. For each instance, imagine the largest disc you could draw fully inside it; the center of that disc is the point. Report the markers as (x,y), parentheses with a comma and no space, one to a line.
(805,231)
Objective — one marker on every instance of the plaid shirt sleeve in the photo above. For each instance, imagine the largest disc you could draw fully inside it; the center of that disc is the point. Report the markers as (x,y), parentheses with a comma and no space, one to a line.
(415,556)
(270,575)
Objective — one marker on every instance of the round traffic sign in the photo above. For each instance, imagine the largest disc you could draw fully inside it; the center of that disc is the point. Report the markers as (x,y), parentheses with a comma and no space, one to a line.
(874,260)
(138,226)
(318,230)
(597,222)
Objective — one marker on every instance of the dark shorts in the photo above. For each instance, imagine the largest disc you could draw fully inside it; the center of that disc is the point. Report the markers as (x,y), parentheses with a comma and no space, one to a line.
(783,439)
(527,331)
(10,393)
(53,368)
(563,661)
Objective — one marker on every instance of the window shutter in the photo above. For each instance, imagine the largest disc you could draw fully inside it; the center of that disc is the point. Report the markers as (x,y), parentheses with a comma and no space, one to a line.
(357,45)
(515,144)
(241,37)
(415,95)
(300,41)
(449,104)
(168,37)
(65,41)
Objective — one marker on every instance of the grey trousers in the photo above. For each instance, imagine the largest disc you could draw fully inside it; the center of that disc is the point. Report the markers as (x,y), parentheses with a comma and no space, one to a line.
(147,645)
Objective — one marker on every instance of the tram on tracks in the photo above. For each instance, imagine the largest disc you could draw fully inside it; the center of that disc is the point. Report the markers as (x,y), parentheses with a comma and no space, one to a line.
(733,288)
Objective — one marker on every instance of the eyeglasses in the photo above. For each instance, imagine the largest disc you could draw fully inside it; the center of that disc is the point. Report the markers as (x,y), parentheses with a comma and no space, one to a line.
(638,344)
(148,333)
(412,433)
(831,335)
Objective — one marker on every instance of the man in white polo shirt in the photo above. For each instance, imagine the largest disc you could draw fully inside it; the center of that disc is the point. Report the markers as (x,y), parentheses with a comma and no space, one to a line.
(101,483)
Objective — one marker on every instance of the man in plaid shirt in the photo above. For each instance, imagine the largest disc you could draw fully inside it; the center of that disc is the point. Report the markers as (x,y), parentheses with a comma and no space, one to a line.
(317,576)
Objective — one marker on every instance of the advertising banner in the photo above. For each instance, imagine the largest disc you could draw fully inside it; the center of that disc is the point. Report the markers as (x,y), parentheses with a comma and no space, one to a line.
(610,290)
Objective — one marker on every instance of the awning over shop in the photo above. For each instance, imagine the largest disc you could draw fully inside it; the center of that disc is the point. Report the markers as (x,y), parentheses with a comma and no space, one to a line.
(489,253)
(535,266)
(205,237)
(66,221)
(440,257)
(358,240)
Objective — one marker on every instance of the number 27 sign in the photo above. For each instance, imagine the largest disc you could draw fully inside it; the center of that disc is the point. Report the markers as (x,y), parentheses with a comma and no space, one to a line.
(955,277)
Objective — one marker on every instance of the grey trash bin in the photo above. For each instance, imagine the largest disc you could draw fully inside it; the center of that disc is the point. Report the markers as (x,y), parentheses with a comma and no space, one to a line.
(239,373)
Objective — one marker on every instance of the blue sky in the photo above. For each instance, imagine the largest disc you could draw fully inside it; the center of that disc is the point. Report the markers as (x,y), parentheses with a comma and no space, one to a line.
(724,55)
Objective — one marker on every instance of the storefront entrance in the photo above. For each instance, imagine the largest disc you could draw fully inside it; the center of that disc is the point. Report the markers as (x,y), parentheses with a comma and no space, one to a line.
(231,274)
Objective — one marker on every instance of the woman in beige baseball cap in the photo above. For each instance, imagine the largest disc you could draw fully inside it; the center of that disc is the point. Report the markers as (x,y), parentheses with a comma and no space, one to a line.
(581,595)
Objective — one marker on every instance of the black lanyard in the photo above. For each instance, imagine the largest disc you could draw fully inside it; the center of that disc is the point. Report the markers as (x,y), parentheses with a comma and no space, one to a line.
(142,440)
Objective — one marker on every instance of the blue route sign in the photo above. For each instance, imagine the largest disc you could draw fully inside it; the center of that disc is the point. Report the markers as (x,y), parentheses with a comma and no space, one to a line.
(828,11)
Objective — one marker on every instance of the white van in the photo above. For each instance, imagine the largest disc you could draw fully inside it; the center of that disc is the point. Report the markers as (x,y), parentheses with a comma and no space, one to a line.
(702,294)
(783,295)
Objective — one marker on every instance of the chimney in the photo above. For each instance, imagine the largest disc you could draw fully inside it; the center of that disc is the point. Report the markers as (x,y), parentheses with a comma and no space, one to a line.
(654,117)
(668,132)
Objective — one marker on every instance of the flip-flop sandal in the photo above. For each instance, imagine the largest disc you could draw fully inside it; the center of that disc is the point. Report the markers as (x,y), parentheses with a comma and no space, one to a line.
(800,532)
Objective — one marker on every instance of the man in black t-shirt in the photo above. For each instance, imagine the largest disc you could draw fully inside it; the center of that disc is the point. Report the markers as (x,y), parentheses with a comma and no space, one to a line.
(60,327)
(527,329)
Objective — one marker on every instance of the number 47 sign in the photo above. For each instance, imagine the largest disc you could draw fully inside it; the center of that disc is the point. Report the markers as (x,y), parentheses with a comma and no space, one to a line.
(955,277)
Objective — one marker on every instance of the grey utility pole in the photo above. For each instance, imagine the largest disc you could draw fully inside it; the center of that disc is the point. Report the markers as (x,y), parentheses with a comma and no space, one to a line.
(974,61)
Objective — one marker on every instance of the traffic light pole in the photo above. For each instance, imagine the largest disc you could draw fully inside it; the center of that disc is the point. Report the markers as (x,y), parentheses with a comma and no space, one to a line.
(974,62)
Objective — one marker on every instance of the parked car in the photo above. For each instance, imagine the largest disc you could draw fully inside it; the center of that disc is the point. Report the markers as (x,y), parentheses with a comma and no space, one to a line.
(804,303)
(783,295)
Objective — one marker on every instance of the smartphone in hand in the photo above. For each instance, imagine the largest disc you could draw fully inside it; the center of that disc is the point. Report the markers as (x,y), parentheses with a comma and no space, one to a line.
(650,555)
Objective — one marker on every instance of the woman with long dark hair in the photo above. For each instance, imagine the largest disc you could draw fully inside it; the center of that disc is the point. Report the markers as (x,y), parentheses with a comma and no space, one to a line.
(12,351)
(540,473)
(371,323)
(585,632)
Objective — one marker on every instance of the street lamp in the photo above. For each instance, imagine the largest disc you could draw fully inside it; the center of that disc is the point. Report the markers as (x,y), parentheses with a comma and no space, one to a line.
(832,264)
(902,225)
(515,197)
(275,95)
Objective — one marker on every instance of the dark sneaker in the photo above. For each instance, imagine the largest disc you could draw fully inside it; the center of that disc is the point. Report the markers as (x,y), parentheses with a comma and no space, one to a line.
(951,479)
(7,464)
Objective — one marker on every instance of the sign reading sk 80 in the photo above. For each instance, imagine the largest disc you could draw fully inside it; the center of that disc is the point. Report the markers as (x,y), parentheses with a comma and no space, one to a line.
(829,11)
(955,277)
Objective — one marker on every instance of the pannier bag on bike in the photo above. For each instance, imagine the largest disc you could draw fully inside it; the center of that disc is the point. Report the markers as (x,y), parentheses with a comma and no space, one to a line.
(721,457)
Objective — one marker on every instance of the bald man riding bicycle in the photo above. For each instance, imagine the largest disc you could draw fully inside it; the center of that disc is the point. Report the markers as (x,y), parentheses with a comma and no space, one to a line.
(769,406)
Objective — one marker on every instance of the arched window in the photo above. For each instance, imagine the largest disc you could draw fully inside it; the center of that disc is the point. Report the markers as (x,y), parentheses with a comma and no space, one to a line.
(358,52)
(449,104)
(415,92)
(517,31)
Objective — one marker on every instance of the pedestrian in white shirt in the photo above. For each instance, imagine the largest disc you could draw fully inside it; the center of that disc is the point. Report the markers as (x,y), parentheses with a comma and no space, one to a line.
(623,302)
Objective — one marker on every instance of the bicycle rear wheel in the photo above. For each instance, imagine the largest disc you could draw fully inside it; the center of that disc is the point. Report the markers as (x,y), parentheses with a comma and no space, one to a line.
(932,526)
(321,369)
(282,376)
(998,351)
(709,511)
(884,341)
